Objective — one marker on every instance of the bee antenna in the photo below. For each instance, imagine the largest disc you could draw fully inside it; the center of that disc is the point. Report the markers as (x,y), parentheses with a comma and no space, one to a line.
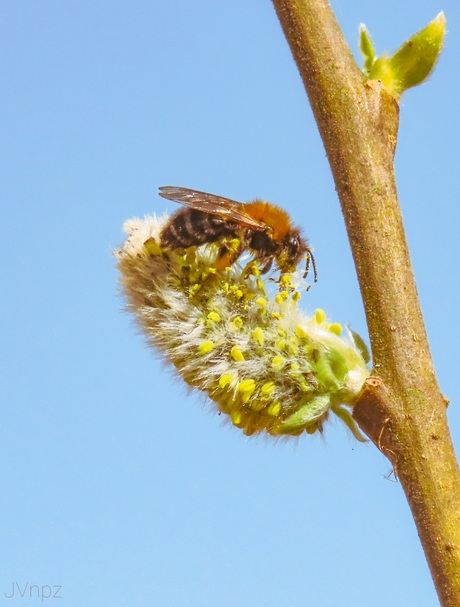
(311,259)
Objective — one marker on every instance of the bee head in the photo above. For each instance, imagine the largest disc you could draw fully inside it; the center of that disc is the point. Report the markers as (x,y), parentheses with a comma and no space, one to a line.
(293,247)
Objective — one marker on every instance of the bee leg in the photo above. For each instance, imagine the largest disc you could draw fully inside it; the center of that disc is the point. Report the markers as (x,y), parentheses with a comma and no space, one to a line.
(251,269)
(228,256)
(310,259)
(266,267)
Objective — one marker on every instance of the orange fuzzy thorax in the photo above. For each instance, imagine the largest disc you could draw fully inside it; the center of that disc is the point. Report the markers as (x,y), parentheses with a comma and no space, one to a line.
(270,215)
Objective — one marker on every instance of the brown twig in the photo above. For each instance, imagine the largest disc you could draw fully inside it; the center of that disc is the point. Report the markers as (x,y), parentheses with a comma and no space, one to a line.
(403,410)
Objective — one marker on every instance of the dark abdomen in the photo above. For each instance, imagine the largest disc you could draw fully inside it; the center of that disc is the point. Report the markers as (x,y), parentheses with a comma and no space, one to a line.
(191,228)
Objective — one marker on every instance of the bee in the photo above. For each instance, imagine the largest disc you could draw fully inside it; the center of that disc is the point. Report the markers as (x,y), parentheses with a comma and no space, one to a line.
(260,227)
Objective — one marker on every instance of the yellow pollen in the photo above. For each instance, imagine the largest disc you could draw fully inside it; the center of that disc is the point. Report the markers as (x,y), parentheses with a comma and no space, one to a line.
(286,279)
(151,247)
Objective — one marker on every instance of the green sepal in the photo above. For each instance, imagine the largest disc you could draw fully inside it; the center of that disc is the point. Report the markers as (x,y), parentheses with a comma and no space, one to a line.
(361,345)
(305,416)
(343,414)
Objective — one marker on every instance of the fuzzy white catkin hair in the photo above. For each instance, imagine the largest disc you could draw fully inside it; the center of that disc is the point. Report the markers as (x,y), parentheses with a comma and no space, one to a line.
(258,358)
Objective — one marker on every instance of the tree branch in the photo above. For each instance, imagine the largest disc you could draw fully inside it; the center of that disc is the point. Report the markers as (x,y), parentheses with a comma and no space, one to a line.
(403,410)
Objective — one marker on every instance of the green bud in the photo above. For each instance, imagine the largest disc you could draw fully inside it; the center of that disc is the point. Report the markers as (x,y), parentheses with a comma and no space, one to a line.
(416,59)
(366,47)
(412,63)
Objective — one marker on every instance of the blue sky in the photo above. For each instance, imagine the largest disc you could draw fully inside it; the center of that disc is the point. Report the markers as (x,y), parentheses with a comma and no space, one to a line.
(117,485)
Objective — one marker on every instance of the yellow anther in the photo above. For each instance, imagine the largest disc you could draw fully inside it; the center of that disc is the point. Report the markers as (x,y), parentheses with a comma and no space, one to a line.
(247,385)
(335,328)
(274,409)
(281,297)
(320,315)
(280,344)
(293,347)
(236,417)
(237,354)
(259,336)
(257,405)
(268,388)
(206,347)
(226,379)
(278,362)
(301,332)
(214,316)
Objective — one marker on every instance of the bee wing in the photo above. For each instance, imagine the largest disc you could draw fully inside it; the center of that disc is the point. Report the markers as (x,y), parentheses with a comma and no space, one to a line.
(214,205)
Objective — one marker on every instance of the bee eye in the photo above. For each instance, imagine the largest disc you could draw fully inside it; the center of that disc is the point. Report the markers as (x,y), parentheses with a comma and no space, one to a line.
(294,242)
